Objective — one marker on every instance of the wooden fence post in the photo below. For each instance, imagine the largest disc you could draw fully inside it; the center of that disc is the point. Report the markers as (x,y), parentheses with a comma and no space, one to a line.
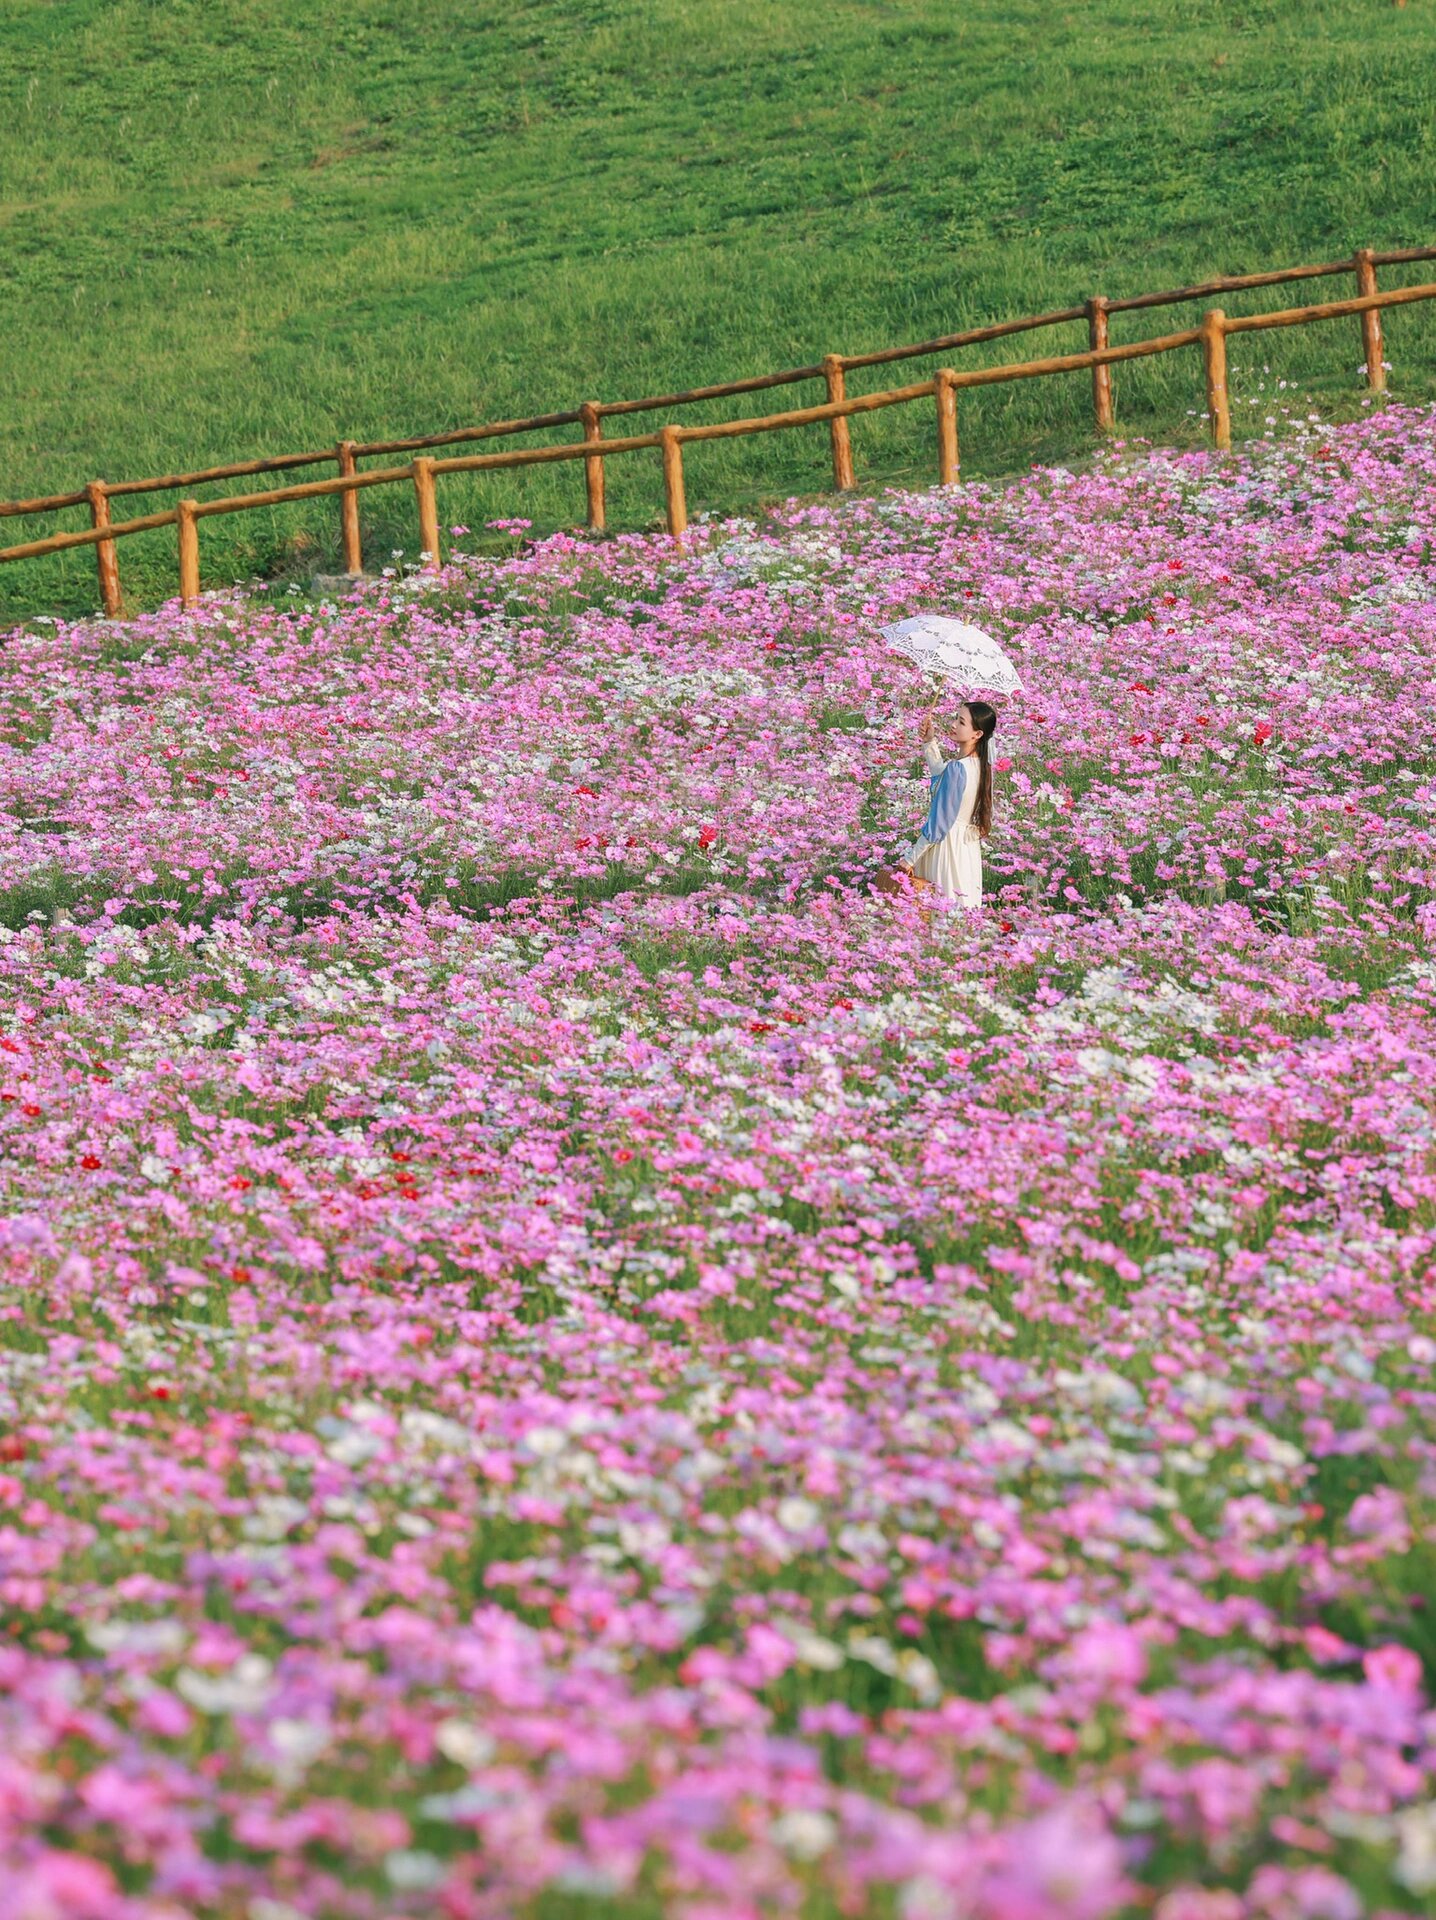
(593,464)
(423,472)
(1214,360)
(188,531)
(944,387)
(674,499)
(842,443)
(1370,322)
(349,511)
(1101,376)
(106,558)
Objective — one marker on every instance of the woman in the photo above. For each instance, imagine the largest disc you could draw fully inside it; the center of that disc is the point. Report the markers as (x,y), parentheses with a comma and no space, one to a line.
(947,853)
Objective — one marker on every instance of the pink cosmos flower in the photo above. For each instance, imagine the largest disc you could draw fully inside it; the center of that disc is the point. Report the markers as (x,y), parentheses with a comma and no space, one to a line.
(1394,1669)
(1066,1862)
(59,1886)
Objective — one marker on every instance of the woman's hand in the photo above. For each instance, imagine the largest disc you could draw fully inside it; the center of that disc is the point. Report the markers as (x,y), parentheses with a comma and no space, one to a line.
(924,732)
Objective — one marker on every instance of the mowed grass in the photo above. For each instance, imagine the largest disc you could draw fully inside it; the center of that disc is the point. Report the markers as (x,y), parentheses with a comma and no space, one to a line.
(245,228)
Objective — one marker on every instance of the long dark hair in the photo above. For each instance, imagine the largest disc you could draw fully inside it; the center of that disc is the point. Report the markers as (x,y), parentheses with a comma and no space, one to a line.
(984,718)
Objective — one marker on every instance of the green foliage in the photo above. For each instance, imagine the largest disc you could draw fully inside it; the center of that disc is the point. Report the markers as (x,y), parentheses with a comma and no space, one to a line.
(248,228)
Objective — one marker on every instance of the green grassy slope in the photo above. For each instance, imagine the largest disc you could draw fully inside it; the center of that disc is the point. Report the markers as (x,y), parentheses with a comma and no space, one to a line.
(230,227)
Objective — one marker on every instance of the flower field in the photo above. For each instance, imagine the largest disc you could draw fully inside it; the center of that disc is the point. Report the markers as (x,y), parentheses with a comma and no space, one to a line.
(560,1357)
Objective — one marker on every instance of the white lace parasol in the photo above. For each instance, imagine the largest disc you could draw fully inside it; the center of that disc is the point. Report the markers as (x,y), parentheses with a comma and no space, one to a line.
(966,655)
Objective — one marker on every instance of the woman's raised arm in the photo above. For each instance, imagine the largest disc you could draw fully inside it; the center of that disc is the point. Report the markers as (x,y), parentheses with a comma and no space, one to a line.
(931,751)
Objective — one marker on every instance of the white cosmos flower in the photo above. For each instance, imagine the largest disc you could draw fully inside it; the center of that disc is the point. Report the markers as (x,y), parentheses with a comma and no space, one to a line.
(244,1689)
(822,1655)
(1416,1862)
(464,1743)
(796,1515)
(411,1870)
(804,1833)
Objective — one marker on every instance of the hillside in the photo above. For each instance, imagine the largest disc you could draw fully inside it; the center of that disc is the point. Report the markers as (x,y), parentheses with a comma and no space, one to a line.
(559,1358)
(237,229)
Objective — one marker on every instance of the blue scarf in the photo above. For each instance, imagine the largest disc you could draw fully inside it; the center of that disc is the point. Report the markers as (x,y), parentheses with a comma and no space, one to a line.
(947,788)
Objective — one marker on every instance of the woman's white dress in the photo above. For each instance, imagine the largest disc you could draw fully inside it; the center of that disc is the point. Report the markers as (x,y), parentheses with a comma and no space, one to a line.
(954,863)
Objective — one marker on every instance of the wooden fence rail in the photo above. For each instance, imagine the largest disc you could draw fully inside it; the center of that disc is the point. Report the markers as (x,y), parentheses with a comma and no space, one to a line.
(836,411)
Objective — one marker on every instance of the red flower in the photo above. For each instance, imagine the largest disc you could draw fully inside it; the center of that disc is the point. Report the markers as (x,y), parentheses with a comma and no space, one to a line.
(588,790)
(31,1110)
(1263,733)
(760,1026)
(1005,925)
(240,1184)
(12,1448)
(396,1155)
(90,1160)
(707,835)
(623,1155)
(1176,566)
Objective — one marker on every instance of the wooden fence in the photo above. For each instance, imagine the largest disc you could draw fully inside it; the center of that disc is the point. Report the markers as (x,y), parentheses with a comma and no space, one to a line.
(594,449)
